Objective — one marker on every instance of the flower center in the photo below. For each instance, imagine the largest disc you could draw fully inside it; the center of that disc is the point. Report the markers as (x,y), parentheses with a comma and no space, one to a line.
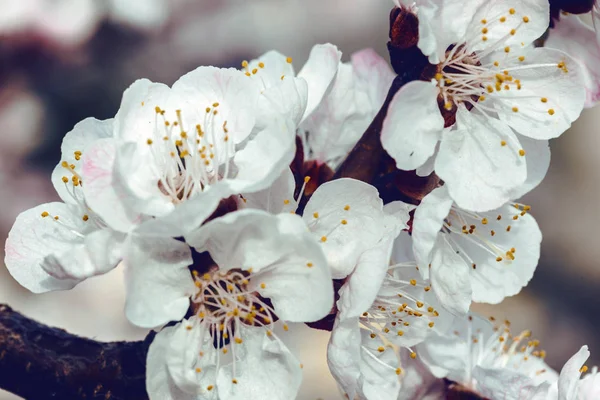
(187,163)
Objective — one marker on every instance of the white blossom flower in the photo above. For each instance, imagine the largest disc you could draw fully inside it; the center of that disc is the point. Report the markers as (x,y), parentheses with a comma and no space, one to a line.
(573,36)
(269,270)
(489,360)
(55,246)
(384,307)
(357,93)
(179,151)
(493,82)
(483,257)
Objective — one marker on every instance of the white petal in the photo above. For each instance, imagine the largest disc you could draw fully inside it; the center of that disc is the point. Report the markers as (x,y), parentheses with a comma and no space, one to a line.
(492,281)
(159,384)
(480,172)
(450,278)
(445,356)
(187,342)
(413,125)
(374,76)
(319,72)
(442,23)
(428,220)
(400,215)
(569,375)
(282,255)
(417,382)
(103,192)
(538,162)
(504,382)
(158,281)
(563,91)
(359,206)
(275,65)
(378,379)
(265,369)
(502,17)
(361,287)
(38,248)
(236,94)
(289,98)
(571,35)
(343,354)
(277,198)
(78,140)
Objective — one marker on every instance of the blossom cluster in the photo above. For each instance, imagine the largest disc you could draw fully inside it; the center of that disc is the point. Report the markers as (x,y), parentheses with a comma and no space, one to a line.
(222,197)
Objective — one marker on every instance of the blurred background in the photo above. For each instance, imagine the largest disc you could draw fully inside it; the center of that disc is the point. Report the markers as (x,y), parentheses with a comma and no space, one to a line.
(62,61)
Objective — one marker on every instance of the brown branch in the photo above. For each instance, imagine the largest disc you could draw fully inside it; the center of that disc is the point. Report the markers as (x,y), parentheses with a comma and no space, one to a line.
(40,362)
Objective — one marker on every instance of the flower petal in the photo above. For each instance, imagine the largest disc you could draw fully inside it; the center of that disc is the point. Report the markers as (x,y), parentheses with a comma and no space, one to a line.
(45,254)
(538,162)
(480,169)
(288,98)
(277,198)
(428,220)
(159,383)
(343,354)
(573,36)
(568,380)
(288,265)
(503,382)
(450,278)
(413,125)
(103,192)
(158,281)
(264,369)
(74,145)
(319,72)
(346,217)
(550,98)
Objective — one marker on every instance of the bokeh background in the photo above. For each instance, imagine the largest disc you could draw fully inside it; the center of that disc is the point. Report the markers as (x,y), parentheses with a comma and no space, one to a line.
(62,61)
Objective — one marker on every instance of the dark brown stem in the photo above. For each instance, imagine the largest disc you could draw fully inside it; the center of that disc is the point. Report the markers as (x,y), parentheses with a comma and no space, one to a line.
(40,362)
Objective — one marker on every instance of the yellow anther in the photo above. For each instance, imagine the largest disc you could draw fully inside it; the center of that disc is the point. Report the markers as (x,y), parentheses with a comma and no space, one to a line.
(484,30)
(225,351)
(515,109)
(498,259)
(481,98)
(522,152)
(507,49)
(286,202)
(198,370)
(316,215)
(419,304)
(484,38)
(306,179)
(431,324)
(65,179)
(490,89)
(526,19)
(210,387)
(413,355)
(513,31)
(238,340)
(323,238)
(521,58)
(289,60)
(448,106)
(413,282)
(244,64)
(254,71)
(85,217)
(234,381)
(45,214)
(188,327)
(373,336)
(157,109)
(544,100)
(215,105)
(346,207)
(381,349)
(263,285)
(511,11)
(344,222)
(248,74)
(502,19)
(439,76)
(551,111)
(286,327)
(261,65)
(508,228)
(207,110)
(398,371)
(583,369)
(484,21)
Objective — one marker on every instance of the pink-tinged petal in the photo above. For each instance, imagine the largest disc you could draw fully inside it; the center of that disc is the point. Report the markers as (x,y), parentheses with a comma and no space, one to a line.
(319,72)
(512,23)
(103,192)
(571,35)
(346,217)
(413,125)
(568,381)
(274,66)
(495,383)
(427,223)
(45,254)
(158,281)
(550,97)
(159,383)
(74,146)
(289,98)
(264,369)
(288,265)
(480,170)
(374,76)
(538,162)
(450,278)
